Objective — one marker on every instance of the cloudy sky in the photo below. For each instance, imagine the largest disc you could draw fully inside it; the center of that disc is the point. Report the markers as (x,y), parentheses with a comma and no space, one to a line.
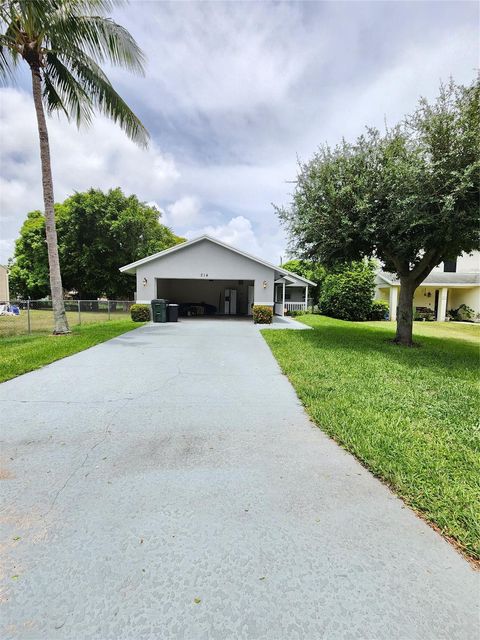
(233,94)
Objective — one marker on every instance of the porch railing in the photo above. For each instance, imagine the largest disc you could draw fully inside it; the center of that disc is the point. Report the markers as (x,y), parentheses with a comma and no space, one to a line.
(295,306)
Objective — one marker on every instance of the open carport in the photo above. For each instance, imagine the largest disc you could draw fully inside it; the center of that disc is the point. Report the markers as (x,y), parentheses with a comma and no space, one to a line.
(208,297)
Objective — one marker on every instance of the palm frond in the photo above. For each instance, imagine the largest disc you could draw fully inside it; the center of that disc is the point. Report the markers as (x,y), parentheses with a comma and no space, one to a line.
(101,38)
(67,43)
(83,86)
(8,58)
(62,91)
(6,72)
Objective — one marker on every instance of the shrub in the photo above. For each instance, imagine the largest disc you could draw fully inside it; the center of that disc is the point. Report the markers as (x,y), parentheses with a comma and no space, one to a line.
(379,310)
(347,293)
(262,314)
(424,313)
(463,313)
(140,312)
(296,312)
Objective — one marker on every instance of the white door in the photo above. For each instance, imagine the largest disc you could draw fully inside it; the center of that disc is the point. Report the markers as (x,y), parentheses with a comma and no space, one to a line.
(251,290)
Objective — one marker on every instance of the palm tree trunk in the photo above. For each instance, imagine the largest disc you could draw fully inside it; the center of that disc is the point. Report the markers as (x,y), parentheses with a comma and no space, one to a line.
(60,319)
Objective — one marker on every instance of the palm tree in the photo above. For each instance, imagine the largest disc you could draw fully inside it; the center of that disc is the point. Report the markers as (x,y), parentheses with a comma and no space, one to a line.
(64,42)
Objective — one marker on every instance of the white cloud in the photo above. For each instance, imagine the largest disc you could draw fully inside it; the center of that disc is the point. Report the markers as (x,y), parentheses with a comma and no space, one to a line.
(100,156)
(221,56)
(183,212)
(239,232)
(233,93)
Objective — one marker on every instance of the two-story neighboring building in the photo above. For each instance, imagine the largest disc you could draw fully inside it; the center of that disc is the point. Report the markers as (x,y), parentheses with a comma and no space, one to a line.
(448,286)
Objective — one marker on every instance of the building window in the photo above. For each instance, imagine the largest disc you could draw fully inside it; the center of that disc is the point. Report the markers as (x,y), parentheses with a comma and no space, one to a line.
(450,266)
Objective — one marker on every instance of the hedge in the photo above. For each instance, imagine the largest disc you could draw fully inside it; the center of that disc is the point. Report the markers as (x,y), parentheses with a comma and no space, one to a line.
(140,312)
(379,311)
(262,314)
(347,293)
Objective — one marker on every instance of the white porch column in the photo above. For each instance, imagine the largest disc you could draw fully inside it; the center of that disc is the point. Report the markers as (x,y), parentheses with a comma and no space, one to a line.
(283,298)
(306,298)
(393,303)
(442,304)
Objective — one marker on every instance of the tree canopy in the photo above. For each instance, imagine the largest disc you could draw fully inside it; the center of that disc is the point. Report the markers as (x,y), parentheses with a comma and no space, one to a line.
(408,197)
(98,232)
(310,270)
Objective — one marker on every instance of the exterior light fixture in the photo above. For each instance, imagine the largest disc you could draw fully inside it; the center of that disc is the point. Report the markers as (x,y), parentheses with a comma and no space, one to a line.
(265,284)
(144,282)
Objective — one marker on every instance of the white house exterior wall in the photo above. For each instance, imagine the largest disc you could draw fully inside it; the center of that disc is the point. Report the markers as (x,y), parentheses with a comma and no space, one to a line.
(466,263)
(206,261)
(469,296)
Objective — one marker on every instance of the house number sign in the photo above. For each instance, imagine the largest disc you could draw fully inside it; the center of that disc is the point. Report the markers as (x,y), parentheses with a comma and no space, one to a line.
(204,275)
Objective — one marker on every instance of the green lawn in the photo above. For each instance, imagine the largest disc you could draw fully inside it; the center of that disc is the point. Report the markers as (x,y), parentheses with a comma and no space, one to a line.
(21,354)
(409,414)
(41,320)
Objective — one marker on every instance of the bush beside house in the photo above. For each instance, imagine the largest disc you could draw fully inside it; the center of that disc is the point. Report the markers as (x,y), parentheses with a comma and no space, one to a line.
(347,292)
(463,313)
(379,310)
(262,314)
(140,312)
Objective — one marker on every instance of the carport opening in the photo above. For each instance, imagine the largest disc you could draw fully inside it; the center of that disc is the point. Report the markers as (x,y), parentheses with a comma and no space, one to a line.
(204,297)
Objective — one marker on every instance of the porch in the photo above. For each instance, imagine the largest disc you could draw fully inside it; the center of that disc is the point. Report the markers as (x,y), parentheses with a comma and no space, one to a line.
(436,300)
(289,296)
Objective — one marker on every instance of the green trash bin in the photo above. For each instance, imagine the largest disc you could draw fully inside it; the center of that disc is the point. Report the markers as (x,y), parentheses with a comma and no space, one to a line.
(159,310)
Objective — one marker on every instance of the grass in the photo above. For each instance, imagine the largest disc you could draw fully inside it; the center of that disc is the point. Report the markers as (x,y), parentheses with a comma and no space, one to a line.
(408,414)
(41,320)
(21,354)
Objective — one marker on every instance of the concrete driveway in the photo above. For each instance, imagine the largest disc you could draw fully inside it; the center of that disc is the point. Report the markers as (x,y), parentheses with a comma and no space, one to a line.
(168,485)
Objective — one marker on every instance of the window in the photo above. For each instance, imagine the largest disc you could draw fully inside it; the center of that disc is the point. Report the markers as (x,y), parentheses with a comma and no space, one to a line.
(450,266)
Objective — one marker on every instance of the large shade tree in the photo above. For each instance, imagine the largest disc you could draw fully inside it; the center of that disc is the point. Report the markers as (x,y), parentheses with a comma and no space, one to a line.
(63,43)
(408,197)
(98,232)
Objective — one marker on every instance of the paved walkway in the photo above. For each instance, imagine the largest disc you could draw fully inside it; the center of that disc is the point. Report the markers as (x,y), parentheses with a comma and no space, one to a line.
(168,485)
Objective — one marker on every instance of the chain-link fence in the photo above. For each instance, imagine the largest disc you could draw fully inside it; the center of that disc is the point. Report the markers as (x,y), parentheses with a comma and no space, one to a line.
(19,317)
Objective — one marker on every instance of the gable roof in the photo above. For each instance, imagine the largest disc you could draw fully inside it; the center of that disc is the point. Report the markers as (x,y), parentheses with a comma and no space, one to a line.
(437,279)
(131,268)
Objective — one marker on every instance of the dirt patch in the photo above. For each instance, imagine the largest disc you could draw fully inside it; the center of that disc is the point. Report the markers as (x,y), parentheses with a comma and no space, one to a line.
(5,474)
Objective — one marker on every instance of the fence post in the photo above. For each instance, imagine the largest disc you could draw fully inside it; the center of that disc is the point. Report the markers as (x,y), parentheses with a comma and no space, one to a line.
(79,313)
(28,317)
(108,307)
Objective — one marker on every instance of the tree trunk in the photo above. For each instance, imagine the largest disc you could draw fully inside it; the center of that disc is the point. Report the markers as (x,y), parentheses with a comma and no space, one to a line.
(405,312)
(56,289)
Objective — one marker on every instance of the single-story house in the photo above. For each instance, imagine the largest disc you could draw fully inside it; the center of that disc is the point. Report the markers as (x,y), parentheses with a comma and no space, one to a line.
(208,274)
(451,284)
